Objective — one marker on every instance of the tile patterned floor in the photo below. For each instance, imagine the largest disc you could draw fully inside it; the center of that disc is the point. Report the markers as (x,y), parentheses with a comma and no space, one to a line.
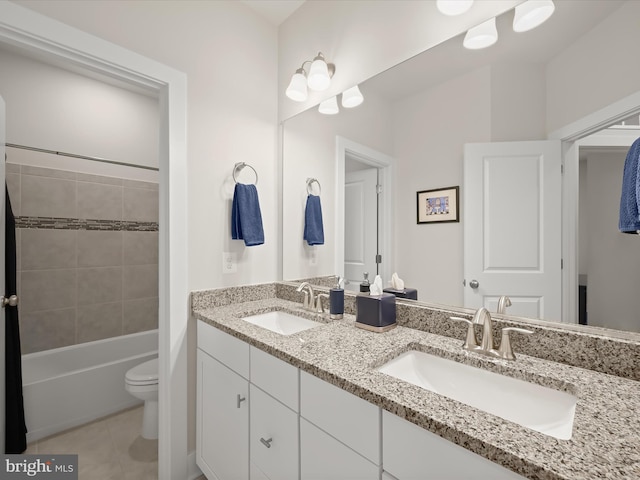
(110,448)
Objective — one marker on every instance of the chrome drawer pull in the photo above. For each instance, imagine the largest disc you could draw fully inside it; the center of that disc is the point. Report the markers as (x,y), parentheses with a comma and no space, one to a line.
(266,443)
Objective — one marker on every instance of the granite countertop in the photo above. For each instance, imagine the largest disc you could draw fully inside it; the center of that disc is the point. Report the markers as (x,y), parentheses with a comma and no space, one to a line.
(606,428)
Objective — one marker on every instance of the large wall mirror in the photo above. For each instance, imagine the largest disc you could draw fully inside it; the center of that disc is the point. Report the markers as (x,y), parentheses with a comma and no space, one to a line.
(409,136)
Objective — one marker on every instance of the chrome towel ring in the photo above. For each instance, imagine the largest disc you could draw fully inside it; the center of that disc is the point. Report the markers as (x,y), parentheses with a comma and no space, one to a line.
(311,181)
(238,168)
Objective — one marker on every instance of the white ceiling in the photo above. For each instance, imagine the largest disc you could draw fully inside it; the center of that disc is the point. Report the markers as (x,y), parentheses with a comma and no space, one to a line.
(275,11)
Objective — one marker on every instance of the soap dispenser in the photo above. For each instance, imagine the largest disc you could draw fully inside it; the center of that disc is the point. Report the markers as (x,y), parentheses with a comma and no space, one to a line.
(365,285)
(336,301)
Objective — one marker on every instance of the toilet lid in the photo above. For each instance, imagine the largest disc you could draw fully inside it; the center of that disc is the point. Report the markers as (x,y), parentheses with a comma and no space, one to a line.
(145,373)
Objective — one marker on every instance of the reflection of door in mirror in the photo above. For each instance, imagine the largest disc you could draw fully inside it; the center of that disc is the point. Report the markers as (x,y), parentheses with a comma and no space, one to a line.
(360,221)
(512,243)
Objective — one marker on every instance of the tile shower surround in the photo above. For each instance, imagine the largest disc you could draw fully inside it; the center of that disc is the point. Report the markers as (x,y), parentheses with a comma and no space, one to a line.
(87,256)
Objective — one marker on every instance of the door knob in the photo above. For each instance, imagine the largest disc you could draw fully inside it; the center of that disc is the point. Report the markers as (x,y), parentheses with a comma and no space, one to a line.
(474,284)
(12,301)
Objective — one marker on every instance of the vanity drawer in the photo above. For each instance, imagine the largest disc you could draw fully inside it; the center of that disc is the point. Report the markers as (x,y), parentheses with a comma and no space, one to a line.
(223,347)
(353,421)
(276,377)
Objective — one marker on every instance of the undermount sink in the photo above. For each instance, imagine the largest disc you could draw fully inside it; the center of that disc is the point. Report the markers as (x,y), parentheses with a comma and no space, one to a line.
(542,409)
(281,322)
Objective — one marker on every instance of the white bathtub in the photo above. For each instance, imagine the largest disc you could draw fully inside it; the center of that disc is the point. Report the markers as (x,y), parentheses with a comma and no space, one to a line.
(70,386)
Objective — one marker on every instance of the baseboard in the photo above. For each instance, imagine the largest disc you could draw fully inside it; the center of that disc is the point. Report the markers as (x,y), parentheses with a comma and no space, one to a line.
(193,471)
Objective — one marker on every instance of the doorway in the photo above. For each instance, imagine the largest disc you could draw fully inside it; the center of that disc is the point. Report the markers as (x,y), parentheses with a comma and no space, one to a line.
(361,224)
(57,42)
(350,156)
(571,137)
(608,264)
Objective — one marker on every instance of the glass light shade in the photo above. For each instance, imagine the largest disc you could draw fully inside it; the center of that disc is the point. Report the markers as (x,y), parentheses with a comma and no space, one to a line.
(481,36)
(352,97)
(319,78)
(453,7)
(531,14)
(297,89)
(329,106)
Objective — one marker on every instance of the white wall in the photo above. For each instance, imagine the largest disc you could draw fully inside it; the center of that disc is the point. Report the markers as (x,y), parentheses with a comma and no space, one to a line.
(614,263)
(55,109)
(229,54)
(309,148)
(429,131)
(600,68)
(366,37)
(518,108)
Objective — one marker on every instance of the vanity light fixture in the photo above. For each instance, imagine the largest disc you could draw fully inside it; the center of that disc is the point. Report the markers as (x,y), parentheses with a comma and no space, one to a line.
(532,13)
(481,36)
(454,7)
(319,78)
(319,74)
(329,106)
(352,97)
(297,89)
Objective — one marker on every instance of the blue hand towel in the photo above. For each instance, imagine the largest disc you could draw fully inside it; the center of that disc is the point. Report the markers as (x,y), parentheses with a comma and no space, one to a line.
(630,198)
(313,230)
(246,219)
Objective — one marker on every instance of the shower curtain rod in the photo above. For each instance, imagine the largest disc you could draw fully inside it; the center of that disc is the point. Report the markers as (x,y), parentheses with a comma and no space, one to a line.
(84,157)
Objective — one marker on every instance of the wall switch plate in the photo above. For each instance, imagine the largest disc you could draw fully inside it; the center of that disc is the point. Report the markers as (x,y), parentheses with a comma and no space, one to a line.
(229,262)
(313,258)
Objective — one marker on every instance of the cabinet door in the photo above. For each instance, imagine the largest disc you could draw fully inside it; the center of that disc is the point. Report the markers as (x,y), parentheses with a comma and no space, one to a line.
(274,437)
(412,453)
(322,457)
(222,421)
(352,420)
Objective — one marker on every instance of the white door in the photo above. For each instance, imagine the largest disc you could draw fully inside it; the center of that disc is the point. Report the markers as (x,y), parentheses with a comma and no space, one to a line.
(512,227)
(360,225)
(2,267)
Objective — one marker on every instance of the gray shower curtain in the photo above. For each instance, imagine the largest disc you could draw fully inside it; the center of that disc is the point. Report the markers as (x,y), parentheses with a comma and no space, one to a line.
(15,427)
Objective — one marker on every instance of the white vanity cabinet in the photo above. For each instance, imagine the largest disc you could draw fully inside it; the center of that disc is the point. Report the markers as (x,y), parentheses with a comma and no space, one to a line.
(339,433)
(222,427)
(412,453)
(247,411)
(260,418)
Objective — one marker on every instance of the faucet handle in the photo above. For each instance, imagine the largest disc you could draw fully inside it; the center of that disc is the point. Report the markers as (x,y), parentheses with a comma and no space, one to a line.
(505,351)
(305,302)
(471,342)
(319,306)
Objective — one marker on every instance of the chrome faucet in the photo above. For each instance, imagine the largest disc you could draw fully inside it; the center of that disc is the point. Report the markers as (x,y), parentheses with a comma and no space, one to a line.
(487,346)
(309,296)
(483,317)
(503,303)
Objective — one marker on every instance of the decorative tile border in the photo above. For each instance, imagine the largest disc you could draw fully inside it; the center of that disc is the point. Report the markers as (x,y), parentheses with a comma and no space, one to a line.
(53,223)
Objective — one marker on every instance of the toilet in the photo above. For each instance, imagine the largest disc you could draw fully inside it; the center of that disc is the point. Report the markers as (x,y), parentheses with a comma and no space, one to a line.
(142,382)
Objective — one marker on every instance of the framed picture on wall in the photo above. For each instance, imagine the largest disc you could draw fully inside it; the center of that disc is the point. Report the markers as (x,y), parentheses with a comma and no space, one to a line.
(438,206)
